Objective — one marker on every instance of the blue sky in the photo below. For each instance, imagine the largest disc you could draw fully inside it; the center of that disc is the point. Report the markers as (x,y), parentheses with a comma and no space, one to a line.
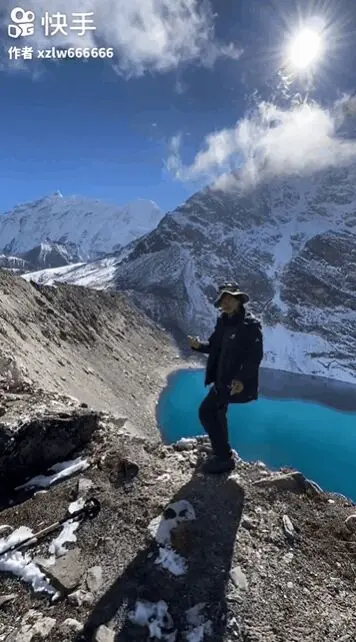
(178,104)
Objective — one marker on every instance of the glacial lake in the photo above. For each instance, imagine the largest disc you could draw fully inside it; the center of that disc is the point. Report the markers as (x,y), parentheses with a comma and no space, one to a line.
(306,423)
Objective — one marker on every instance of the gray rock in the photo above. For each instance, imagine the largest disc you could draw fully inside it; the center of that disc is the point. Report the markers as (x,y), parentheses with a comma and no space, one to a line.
(104,634)
(293,482)
(248,523)
(239,578)
(66,573)
(84,486)
(80,598)
(94,579)
(289,529)
(185,444)
(34,626)
(5,599)
(72,625)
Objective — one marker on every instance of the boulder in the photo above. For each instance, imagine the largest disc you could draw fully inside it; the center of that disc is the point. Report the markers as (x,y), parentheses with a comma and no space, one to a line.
(30,446)
(185,444)
(66,574)
(292,482)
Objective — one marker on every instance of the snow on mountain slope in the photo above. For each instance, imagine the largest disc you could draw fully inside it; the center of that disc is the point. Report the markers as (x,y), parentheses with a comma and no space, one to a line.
(46,255)
(97,275)
(291,243)
(95,227)
(12,263)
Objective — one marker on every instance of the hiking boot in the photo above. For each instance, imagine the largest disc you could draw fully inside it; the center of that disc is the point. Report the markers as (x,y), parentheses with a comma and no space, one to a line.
(218,465)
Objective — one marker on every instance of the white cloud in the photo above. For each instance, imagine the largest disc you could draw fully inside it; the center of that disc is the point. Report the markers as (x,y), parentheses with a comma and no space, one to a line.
(271,141)
(146,35)
(173,163)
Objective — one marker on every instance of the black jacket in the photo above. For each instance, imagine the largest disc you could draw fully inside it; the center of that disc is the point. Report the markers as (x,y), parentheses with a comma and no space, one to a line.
(242,336)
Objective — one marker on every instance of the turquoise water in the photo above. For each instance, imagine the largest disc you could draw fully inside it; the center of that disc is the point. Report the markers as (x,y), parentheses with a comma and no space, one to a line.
(317,440)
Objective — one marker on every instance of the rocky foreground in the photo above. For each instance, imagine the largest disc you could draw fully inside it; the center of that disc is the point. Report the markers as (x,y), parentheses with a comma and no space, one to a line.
(172,555)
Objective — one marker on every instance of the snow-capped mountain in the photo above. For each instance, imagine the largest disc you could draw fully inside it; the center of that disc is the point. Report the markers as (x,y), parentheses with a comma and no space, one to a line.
(94,227)
(290,243)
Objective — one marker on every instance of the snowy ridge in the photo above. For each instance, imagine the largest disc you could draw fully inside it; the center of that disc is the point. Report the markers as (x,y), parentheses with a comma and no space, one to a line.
(97,275)
(13,263)
(46,255)
(51,255)
(291,244)
(94,227)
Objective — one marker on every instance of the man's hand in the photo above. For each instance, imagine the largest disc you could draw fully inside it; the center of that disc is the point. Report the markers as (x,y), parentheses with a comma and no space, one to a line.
(236,387)
(194,343)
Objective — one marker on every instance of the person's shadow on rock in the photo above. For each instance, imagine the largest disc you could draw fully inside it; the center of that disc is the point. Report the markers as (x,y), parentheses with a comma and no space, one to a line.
(207,544)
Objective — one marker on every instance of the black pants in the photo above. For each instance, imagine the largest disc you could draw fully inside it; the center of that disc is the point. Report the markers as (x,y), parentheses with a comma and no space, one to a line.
(212,415)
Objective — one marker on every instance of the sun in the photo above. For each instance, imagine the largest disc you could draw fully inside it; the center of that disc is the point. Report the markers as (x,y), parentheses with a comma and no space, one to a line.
(305,48)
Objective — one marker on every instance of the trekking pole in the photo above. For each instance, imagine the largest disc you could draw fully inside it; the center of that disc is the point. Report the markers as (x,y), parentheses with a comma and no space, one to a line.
(90,510)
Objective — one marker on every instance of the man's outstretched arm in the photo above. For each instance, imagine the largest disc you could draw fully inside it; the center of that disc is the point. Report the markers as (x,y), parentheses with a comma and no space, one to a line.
(202,346)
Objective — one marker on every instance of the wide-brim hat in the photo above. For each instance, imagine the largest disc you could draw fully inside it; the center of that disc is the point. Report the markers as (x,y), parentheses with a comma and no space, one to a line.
(234,290)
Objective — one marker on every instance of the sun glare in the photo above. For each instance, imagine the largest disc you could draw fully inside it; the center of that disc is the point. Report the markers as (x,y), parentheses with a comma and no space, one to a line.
(305,48)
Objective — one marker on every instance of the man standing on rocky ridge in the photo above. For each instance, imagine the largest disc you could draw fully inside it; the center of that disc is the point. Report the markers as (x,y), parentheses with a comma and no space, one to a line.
(235,351)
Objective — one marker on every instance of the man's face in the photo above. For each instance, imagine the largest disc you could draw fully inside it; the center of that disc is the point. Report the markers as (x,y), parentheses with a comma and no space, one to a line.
(229,304)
